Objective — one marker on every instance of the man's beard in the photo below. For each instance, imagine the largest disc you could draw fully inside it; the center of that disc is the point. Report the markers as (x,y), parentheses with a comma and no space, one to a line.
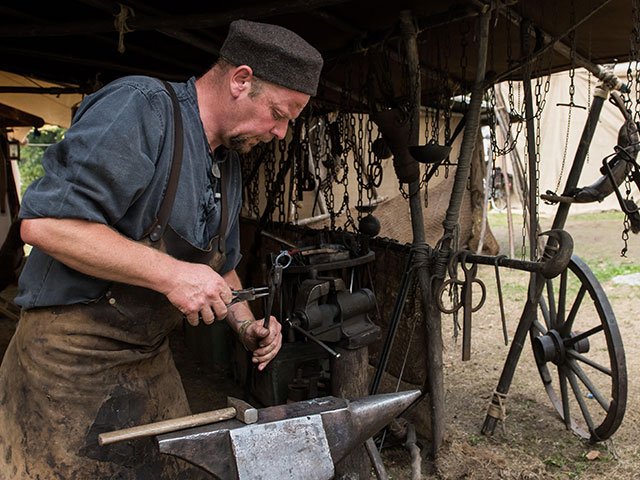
(240,144)
(243,144)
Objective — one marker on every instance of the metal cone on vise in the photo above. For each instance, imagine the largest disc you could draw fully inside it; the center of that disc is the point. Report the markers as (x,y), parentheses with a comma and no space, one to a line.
(299,440)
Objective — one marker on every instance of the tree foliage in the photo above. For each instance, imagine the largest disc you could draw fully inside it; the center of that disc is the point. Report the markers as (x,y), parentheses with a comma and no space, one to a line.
(30,164)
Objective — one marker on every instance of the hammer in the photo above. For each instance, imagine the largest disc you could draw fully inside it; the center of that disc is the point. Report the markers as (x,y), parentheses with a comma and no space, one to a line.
(236,408)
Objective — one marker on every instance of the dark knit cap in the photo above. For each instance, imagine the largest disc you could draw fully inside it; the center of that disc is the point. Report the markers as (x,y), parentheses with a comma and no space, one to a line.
(274,54)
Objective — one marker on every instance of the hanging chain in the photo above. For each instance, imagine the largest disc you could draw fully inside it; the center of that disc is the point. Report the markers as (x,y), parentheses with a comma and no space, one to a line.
(634,42)
(626,221)
(572,90)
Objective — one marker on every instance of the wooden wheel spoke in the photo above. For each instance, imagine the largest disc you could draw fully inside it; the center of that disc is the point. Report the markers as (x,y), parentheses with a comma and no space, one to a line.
(539,327)
(545,313)
(552,304)
(589,384)
(562,298)
(588,361)
(583,406)
(568,325)
(581,336)
(566,410)
(580,321)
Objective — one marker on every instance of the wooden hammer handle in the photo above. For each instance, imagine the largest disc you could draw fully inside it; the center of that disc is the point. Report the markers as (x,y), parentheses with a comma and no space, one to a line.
(167,426)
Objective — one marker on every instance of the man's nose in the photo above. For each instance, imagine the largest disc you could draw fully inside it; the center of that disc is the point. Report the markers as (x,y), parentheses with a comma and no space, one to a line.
(280,129)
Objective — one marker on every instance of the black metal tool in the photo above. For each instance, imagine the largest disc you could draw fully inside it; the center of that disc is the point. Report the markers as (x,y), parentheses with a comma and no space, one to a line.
(248,294)
(275,279)
(467,296)
(499,286)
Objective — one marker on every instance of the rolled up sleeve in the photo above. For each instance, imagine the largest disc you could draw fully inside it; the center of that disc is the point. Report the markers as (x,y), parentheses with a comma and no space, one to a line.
(105,161)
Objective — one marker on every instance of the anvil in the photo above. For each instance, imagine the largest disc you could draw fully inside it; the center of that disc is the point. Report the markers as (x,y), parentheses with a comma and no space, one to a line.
(302,440)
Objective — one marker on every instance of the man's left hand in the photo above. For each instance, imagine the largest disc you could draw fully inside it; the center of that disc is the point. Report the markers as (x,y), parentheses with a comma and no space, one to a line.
(265,344)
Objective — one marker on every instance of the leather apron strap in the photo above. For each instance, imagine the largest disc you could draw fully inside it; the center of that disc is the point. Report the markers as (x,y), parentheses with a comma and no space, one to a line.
(157,228)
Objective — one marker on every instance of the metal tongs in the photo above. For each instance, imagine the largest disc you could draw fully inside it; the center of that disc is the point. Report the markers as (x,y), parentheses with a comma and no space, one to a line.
(248,294)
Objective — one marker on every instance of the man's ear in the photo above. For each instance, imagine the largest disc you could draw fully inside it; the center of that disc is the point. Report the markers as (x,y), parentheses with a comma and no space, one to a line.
(240,80)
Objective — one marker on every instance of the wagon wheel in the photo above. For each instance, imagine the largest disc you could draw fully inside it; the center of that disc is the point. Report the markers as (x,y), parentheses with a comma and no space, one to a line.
(579,353)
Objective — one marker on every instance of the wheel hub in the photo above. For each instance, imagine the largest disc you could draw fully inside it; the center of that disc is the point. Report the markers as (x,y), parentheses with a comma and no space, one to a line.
(551,347)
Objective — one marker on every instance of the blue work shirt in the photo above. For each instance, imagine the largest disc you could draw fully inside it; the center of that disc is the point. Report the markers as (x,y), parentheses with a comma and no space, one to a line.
(113,168)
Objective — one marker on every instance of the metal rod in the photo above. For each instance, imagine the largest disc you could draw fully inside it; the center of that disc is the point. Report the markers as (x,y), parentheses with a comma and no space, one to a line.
(502,261)
(313,339)
(398,308)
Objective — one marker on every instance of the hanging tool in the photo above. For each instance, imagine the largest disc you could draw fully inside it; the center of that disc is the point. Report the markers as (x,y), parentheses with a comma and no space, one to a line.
(467,296)
(499,285)
(281,261)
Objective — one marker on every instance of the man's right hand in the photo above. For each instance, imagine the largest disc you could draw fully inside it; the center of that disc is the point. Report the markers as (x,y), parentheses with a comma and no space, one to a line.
(199,293)
(98,250)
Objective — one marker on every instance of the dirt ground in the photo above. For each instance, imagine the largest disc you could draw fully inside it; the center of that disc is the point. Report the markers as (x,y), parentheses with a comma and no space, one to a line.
(533,443)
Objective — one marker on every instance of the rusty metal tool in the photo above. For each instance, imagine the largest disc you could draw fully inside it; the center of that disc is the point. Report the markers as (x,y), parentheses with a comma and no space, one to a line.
(236,408)
(302,440)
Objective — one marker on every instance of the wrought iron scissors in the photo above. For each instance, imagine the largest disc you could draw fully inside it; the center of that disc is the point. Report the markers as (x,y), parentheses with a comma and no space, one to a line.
(466,302)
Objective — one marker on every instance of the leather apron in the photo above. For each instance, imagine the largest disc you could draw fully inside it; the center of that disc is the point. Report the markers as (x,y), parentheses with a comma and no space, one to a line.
(73,372)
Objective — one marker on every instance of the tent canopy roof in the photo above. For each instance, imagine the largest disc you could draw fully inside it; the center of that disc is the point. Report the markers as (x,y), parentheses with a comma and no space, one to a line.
(76,42)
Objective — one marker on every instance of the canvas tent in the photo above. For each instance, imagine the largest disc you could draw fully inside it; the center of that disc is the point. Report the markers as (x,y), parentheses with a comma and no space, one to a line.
(562,125)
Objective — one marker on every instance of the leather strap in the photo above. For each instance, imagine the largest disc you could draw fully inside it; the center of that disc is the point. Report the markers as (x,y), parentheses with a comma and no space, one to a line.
(224,219)
(157,228)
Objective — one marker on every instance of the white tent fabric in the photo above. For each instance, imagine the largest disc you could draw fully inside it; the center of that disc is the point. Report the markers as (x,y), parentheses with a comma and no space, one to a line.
(554,124)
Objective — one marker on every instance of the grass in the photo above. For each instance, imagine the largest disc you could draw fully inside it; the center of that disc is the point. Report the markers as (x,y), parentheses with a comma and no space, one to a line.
(606,270)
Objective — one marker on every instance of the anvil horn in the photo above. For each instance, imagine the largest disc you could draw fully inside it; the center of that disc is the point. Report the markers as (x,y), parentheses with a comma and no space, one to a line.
(366,417)
(299,440)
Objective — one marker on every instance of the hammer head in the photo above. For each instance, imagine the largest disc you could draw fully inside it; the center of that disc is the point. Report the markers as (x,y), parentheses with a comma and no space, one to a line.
(244,412)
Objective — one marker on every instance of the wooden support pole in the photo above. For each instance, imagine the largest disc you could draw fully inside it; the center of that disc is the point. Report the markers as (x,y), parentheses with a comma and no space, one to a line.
(349,380)
(469,142)
(433,324)
(531,143)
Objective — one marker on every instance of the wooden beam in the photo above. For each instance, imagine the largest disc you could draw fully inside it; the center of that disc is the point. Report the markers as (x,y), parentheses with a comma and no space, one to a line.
(556,43)
(89,62)
(12,117)
(46,90)
(196,21)
(107,39)
(180,35)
